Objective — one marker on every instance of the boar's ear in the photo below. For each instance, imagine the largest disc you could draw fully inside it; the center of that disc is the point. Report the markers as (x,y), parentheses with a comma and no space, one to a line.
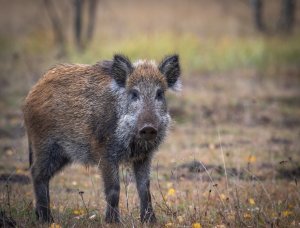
(170,68)
(120,69)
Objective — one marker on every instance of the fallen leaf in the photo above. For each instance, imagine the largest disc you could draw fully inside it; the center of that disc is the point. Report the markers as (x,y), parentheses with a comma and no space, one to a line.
(169,224)
(220,226)
(251,201)
(222,196)
(196,225)
(247,216)
(287,213)
(55,225)
(180,219)
(171,192)
(20,171)
(251,159)
(169,184)
(78,212)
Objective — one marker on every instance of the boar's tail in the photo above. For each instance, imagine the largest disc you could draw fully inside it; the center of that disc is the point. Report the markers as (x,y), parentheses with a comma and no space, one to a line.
(30,153)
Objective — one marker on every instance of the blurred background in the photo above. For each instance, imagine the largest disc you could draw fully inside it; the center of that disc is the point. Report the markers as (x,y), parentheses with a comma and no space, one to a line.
(210,36)
(240,103)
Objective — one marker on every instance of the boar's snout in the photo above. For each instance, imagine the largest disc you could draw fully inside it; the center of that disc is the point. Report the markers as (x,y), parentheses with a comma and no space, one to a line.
(148,132)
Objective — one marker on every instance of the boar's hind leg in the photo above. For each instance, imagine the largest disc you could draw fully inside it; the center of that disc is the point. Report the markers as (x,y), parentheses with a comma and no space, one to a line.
(45,165)
(142,172)
(110,174)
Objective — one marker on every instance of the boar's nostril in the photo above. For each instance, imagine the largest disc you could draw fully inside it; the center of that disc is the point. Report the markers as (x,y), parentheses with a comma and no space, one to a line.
(148,133)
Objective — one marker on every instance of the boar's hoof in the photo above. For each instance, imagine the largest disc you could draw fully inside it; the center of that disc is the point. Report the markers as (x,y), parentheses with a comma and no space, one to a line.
(112,216)
(148,218)
(44,215)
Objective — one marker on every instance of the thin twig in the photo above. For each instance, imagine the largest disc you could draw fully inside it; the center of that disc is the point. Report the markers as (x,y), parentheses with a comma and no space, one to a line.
(225,170)
(81,195)
(160,191)
(8,198)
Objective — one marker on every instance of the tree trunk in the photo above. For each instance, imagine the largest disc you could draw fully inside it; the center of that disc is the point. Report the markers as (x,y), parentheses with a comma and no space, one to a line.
(287,17)
(257,8)
(91,22)
(57,26)
(78,23)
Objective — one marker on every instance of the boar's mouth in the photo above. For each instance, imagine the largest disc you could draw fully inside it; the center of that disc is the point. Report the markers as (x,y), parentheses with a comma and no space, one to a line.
(141,146)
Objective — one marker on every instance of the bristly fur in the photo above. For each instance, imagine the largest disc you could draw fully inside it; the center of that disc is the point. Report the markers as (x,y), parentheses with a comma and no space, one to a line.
(144,61)
(95,114)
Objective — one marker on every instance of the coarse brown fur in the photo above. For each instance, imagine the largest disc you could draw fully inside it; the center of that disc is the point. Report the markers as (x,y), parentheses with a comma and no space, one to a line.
(146,72)
(56,105)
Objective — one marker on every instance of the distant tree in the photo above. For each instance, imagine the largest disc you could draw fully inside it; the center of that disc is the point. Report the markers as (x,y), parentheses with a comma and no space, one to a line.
(78,22)
(92,18)
(83,39)
(257,9)
(287,16)
(286,19)
(57,26)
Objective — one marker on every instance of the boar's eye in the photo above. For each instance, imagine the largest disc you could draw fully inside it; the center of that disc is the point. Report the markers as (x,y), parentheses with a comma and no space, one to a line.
(134,95)
(159,94)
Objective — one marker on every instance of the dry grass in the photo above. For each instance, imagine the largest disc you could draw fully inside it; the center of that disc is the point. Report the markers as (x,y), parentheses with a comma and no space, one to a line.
(259,135)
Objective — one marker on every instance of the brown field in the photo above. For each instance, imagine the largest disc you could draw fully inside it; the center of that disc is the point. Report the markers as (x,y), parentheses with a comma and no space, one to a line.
(232,156)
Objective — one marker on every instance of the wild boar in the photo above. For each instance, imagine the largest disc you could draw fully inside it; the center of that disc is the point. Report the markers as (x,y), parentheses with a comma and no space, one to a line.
(105,114)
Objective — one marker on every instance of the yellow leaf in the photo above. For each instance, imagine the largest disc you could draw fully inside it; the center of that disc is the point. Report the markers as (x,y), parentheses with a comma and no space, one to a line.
(20,171)
(287,213)
(251,201)
(247,216)
(55,225)
(231,216)
(171,192)
(78,212)
(196,225)
(251,159)
(169,224)
(274,215)
(222,196)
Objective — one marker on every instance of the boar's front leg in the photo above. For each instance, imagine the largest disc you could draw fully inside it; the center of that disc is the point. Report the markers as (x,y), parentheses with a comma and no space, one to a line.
(142,173)
(110,175)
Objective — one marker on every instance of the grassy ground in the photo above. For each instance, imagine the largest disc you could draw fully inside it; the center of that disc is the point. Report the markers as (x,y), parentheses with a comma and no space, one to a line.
(232,158)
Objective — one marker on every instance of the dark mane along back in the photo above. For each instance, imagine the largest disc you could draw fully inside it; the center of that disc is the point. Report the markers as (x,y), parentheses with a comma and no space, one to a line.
(105,66)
